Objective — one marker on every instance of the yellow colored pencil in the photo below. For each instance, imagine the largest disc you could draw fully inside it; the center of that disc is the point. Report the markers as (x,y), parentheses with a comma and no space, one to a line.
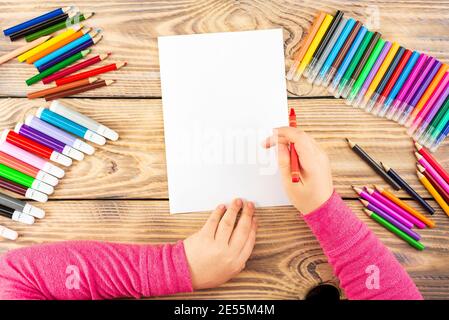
(23,49)
(313,46)
(49,43)
(426,183)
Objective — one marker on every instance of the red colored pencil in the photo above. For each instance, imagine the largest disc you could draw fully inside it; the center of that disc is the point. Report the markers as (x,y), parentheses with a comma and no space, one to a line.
(433,162)
(76,67)
(294,160)
(90,73)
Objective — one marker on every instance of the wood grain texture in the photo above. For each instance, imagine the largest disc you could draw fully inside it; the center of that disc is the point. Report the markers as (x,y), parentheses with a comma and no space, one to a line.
(131,29)
(286,263)
(134,166)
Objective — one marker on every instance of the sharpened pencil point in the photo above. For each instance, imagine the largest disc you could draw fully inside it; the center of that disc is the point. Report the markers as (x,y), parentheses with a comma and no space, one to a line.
(357,189)
(292,112)
(420,175)
(368,212)
(386,168)
(369,190)
(378,188)
(420,167)
(351,144)
(418,146)
(364,202)
(418,156)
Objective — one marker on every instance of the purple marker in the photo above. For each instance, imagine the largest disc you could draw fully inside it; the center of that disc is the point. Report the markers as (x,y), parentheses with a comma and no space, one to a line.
(393,206)
(48,141)
(373,72)
(407,85)
(58,134)
(394,222)
(365,195)
(418,94)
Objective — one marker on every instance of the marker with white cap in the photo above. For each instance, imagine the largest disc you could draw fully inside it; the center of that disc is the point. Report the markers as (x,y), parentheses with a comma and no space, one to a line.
(30,158)
(70,126)
(83,120)
(35,147)
(58,134)
(48,141)
(24,179)
(8,233)
(16,215)
(22,206)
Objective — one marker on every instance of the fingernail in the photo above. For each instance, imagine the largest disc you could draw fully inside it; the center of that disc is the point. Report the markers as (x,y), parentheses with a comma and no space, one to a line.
(221,207)
(250,205)
(238,202)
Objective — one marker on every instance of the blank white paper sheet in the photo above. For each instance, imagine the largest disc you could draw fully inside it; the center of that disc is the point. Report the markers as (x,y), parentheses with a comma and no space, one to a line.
(222,95)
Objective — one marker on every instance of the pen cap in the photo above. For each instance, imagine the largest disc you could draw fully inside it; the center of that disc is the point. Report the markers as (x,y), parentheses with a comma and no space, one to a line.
(8,233)
(34,211)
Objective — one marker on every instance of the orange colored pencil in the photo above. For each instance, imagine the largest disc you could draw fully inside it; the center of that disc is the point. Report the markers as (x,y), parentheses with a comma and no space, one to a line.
(56,89)
(390,196)
(58,45)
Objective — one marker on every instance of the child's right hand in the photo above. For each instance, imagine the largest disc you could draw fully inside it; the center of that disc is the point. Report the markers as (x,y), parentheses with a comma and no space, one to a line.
(221,248)
(315,186)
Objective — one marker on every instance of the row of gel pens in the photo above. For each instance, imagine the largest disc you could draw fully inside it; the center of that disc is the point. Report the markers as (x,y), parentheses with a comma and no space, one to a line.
(391,212)
(379,76)
(31,155)
(56,56)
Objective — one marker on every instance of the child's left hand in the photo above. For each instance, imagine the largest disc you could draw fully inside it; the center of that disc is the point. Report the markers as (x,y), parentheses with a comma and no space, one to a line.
(219,251)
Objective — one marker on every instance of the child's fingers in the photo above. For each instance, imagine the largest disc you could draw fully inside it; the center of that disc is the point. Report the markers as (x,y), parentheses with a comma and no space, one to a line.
(210,227)
(243,227)
(273,141)
(227,223)
(284,161)
(250,242)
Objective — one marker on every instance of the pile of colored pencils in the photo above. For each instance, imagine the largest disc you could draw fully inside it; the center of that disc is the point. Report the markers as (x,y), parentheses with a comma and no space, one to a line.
(376,75)
(54,55)
(27,153)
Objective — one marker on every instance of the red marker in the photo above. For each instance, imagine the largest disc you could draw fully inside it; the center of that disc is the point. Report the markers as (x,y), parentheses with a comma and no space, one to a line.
(294,160)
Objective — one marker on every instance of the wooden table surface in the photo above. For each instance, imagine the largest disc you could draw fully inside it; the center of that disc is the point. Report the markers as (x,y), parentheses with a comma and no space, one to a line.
(120,193)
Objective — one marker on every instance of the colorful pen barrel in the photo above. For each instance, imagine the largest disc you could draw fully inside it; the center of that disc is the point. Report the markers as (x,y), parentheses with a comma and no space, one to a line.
(34,21)
(21,206)
(48,141)
(25,180)
(59,134)
(16,215)
(35,147)
(23,191)
(70,126)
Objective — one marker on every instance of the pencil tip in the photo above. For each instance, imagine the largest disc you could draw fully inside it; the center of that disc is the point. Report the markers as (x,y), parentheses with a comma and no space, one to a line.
(418,146)
(364,202)
(292,112)
(420,167)
(351,144)
(356,189)
(368,212)
(386,168)
(418,156)
(378,188)
(420,175)
(369,190)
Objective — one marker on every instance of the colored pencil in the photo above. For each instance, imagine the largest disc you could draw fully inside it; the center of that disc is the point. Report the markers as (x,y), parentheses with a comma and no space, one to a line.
(91,73)
(75,67)
(80,89)
(35,147)
(69,126)
(313,47)
(22,206)
(59,134)
(8,233)
(56,89)
(422,161)
(40,26)
(294,159)
(83,46)
(50,142)
(15,215)
(57,67)
(23,191)
(433,162)
(35,20)
(30,158)
(443,193)
(62,25)
(22,49)
(387,194)
(85,121)
(305,44)
(23,57)
(373,164)
(393,206)
(394,175)
(390,219)
(393,229)
(365,195)
(27,169)
(61,43)
(25,180)
(426,183)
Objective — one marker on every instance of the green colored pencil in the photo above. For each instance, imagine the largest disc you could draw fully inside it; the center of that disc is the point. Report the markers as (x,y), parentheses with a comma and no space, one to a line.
(62,25)
(57,67)
(416,244)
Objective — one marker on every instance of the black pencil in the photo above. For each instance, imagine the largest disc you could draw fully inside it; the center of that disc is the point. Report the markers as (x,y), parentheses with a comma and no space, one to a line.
(44,24)
(408,189)
(373,164)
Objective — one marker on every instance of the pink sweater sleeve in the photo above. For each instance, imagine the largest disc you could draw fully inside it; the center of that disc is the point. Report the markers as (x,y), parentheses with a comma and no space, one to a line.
(357,256)
(93,270)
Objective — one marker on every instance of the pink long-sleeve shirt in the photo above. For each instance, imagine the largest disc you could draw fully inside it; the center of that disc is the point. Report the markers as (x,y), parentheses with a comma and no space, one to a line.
(98,270)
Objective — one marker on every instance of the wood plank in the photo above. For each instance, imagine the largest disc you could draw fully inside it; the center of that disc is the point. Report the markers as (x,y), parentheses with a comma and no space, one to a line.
(287,261)
(131,29)
(134,166)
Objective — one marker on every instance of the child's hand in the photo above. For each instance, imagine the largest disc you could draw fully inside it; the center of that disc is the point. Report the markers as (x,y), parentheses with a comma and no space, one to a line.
(315,186)
(221,248)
